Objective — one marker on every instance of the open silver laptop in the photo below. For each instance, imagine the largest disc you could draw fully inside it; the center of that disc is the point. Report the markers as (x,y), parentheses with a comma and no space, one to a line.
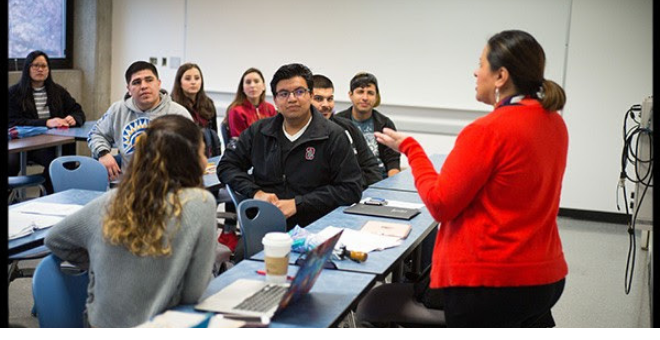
(257,298)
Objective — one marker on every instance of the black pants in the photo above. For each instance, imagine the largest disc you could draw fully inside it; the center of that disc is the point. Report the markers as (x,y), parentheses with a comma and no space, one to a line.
(501,307)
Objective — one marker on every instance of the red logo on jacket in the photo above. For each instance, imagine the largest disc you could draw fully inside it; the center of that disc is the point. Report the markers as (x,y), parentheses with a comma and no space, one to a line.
(309,153)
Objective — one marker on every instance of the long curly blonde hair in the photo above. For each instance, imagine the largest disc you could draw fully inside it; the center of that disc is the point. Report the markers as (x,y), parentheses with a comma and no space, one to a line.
(166,160)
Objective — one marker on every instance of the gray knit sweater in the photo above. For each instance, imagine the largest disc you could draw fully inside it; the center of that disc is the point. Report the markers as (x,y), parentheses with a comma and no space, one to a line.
(126,290)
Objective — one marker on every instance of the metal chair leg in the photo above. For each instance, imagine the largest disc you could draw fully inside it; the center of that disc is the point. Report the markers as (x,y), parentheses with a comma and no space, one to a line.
(12,197)
(351,320)
(11,275)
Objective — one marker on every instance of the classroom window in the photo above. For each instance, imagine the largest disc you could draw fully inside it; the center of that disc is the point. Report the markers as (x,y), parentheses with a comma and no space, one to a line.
(45,25)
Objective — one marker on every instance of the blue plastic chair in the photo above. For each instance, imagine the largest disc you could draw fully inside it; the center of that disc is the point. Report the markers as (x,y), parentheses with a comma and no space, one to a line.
(257,218)
(16,183)
(88,174)
(224,133)
(236,197)
(31,254)
(60,298)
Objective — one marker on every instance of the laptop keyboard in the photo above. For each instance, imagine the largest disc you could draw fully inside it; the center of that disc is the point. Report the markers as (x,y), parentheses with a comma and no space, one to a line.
(263,300)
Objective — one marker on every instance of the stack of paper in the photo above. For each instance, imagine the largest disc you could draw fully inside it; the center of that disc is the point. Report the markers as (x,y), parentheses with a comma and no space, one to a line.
(398,230)
(358,241)
(27,218)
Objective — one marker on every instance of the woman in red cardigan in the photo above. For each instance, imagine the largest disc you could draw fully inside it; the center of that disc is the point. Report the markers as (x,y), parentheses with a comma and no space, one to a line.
(498,258)
(250,104)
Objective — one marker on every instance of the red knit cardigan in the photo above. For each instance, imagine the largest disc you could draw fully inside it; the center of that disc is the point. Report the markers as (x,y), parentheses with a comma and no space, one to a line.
(242,116)
(496,199)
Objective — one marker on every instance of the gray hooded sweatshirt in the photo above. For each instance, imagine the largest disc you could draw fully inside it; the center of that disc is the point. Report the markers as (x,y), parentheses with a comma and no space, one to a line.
(124,122)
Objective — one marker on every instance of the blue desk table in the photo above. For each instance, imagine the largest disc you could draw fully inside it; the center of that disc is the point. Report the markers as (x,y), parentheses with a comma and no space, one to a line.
(379,263)
(79,133)
(333,295)
(404,181)
(72,196)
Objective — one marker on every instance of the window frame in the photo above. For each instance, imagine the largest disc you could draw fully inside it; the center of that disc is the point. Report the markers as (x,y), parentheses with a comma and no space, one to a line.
(16,64)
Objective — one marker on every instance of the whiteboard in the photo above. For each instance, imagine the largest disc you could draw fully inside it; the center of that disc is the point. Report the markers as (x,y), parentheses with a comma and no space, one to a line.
(423,53)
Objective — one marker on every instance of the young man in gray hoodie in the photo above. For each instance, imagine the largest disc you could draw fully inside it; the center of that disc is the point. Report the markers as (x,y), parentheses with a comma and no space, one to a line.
(126,119)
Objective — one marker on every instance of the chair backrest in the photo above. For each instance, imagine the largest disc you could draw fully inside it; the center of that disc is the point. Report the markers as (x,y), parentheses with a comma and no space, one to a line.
(212,142)
(59,298)
(236,197)
(224,132)
(78,172)
(257,218)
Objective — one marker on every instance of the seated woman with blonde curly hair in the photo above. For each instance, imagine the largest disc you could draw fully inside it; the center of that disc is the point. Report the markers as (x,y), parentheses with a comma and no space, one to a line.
(149,244)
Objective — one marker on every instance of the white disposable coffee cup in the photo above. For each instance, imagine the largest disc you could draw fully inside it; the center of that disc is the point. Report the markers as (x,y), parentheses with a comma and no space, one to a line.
(277,247)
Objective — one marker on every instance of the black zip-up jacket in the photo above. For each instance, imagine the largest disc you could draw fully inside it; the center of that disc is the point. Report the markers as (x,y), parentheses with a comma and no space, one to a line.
(16,116)
(366,159)
(391,159)
(320,171)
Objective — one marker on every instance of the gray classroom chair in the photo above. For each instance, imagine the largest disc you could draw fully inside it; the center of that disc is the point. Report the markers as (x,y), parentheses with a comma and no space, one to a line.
(393,305)
(257,218)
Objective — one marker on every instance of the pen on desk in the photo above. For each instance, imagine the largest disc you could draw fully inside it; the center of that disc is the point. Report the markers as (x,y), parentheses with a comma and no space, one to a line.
(263,272)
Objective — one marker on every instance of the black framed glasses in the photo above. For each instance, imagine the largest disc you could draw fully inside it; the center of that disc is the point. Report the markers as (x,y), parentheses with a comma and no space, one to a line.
(39,66)
(284,94)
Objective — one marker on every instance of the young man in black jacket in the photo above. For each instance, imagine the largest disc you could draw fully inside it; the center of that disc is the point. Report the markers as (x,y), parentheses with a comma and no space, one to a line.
(323,99)
(365,96)
(301,162)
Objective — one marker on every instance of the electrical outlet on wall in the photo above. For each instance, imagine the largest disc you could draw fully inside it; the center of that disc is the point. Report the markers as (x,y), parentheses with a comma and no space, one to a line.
(153,60)
(164,63)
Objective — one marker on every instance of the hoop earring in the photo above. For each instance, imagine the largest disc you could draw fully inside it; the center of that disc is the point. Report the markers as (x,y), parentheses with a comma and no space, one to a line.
(497,95)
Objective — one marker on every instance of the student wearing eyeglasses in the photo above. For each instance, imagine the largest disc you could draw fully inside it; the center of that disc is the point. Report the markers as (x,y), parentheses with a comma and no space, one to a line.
(36,100)
(302,163)
(365,97)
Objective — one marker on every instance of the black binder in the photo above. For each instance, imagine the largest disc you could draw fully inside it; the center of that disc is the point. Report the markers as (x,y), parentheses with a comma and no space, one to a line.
(382,211)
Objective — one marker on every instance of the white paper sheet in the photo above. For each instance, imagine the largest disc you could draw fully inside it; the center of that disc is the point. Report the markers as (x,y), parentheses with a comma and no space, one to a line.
(51,209)
(21,224)
(176,319)
(357,241)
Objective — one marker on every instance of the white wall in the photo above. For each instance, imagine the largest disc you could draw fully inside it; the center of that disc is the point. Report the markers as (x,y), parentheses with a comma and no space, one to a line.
(609,69)
(423,52)
(143,29)
(607,65)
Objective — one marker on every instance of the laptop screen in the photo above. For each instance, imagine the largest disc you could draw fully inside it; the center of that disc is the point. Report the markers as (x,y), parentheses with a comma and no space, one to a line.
(310,271)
